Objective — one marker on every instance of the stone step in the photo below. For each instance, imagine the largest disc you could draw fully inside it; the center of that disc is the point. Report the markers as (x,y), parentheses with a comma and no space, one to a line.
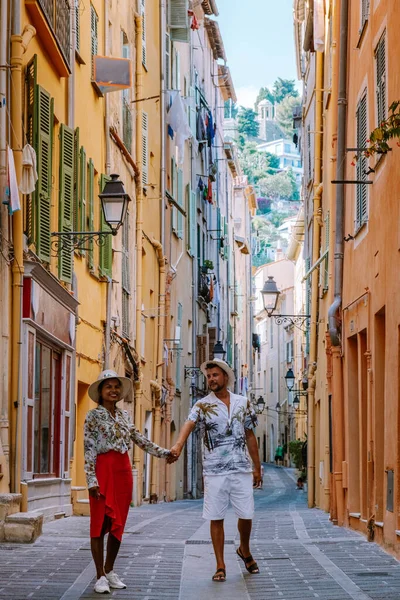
(23,527)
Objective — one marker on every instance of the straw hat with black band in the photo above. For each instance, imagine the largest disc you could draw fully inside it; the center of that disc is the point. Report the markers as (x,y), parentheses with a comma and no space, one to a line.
(126,384)
(222,365)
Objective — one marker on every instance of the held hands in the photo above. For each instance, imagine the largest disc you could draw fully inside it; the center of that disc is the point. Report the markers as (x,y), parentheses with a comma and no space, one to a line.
(174,453)
(257,479)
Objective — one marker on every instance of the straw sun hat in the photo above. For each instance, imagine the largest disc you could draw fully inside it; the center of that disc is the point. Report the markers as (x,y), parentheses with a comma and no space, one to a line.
(126,384)
(222,365)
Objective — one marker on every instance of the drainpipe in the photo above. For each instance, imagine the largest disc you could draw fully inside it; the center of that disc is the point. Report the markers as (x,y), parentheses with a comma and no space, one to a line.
(334,316)
(318,188)
(137,477)
(156,385)
(19,44)
(4,270)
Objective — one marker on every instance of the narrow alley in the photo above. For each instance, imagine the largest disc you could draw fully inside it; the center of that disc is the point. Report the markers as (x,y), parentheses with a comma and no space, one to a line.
(167,555)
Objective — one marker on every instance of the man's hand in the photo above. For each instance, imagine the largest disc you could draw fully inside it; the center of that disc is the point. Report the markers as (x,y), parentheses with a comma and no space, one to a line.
(257,479)
(175,453)
(94,492)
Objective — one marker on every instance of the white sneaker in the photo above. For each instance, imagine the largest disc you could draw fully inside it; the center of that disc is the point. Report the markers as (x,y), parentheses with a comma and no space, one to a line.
(115,581)
(102,586)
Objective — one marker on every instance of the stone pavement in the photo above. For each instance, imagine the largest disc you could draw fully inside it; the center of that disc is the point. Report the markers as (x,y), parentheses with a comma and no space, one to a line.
(166,554)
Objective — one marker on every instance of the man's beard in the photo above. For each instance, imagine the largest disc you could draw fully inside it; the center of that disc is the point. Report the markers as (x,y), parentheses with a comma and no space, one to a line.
(215,387)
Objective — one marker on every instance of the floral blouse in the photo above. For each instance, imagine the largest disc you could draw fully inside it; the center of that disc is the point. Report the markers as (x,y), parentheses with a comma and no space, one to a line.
(103,432)
(224,433)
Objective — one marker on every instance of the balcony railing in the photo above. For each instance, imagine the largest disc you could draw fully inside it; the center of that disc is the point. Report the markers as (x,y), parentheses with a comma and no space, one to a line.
(57,13)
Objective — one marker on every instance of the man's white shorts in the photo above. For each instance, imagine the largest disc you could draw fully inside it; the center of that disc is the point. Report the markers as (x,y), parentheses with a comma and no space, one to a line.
(234,487)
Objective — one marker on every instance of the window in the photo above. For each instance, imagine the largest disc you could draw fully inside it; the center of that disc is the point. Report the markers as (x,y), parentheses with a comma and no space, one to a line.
(178,20)
(66,199)
(178,338)
(167,61)
(364,13)
(47,411)
(125,278)
(309,151)
(271,332)
(380,61)
(90,196)
(145,148)
(77,27)
(143,13)
(191,219)
(105,250)
(271,375)
(289,351)
(176,69)
(127,126)
(362,163)
(287,148)
(94,37)
(40,130)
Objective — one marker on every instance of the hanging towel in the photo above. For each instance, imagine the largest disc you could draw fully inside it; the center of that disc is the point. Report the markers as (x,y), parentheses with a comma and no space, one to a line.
(177,119)
(29,173)
(12,182)
(216,291)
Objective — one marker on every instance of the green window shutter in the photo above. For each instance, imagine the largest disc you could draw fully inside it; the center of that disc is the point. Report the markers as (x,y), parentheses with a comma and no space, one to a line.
(174,194)
(90,211)
(380,61)
(44,164)
(76,179)
(125,278)
(145,148)
(167,61)
(105,250)
(82,188)
(94,36)
(178,336)
(31,102)
(143,13)
(67,143)
(179,231)
(191,219)
(362,163)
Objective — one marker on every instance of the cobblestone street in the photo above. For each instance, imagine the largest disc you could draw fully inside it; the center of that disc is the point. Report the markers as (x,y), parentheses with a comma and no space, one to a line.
(166,554)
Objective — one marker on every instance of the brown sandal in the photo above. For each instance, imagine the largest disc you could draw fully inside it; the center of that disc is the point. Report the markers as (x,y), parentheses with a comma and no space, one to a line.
(219,576)
(253,568)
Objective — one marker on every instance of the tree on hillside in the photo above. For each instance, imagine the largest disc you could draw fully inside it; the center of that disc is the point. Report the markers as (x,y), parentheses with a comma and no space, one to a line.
(281,186)
(283,88)
(257,164)
(264,94)
(247,124)
(284,113)
(230,109)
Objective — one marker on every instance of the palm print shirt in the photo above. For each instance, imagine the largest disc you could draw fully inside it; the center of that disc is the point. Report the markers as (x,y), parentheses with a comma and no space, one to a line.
(224,437)
(103,432)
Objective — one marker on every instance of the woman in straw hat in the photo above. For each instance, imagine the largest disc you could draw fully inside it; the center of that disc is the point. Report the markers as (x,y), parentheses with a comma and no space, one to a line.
(108,434)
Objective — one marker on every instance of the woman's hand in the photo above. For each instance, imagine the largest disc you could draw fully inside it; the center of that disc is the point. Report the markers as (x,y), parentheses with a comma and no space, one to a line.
(94,492)
(174,453)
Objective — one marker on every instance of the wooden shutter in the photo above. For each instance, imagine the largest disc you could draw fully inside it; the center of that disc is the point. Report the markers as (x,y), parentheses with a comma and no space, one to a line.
(82,190)
(191,219)
(145,148)
(178,20)
(212,338)
(77,27)
(179,231)
(179,351)
(202,349)
(364,12)
(32,103)
(94,38)
(90,257)
(143,13)
(125,277)
(105,252)
(325,264)
(362,163)
(308,303)
(67,144)
(44,170)
(76,221)
(167,61)
(192,110)
(380,60)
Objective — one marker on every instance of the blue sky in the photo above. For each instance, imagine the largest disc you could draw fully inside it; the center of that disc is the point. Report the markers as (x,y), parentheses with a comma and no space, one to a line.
(258,39)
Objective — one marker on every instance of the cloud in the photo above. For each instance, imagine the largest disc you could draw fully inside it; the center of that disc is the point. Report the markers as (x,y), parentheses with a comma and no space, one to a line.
(247,95)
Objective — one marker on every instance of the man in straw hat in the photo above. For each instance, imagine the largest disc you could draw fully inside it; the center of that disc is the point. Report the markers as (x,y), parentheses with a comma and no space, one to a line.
(227,423)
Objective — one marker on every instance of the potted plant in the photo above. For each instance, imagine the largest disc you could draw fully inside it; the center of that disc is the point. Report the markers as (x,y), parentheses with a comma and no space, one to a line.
(208,265)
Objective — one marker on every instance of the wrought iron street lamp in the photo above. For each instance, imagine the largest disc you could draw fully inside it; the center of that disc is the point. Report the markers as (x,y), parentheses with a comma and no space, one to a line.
(296,402)
(114,203)
(290,379)
(270,295)
(260,404)
(192,371)
(219,351)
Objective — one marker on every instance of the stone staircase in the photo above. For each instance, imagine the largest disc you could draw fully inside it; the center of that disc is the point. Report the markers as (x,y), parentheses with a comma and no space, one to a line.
(16,526)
